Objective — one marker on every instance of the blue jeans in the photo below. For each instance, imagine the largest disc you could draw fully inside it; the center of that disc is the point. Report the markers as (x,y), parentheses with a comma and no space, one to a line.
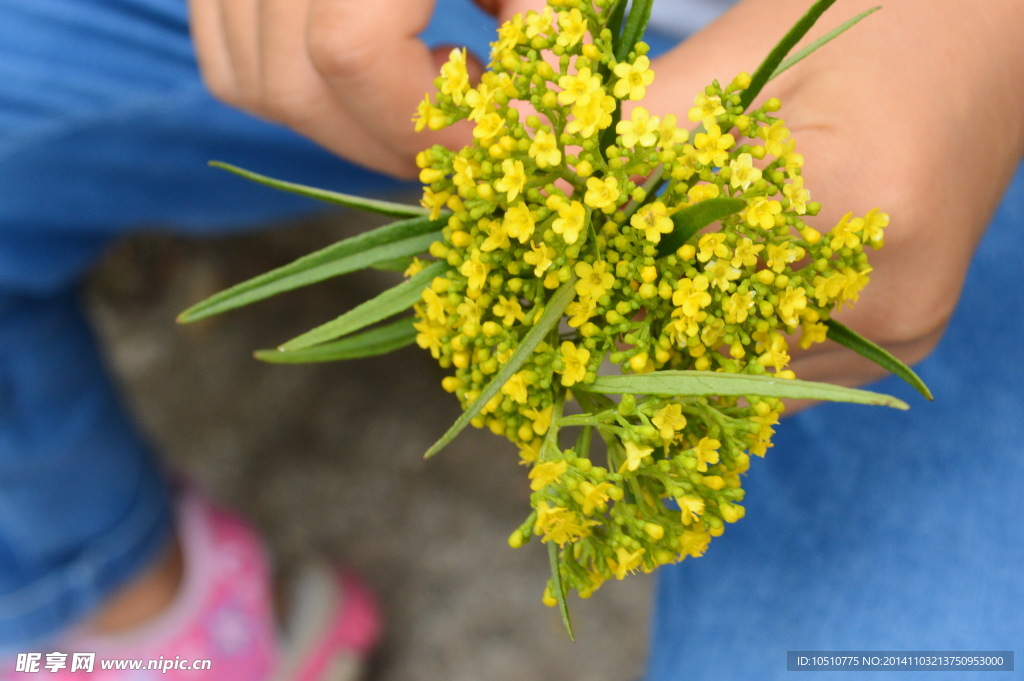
(105,128)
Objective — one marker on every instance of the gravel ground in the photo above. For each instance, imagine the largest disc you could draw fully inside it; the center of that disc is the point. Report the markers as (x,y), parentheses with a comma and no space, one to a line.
(327,460)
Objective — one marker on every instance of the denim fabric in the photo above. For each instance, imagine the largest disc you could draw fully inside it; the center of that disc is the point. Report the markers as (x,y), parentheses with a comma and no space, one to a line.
(105,128)
(873,529)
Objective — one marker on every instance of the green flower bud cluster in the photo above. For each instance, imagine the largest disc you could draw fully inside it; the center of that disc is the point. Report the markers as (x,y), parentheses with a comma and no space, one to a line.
(560,185)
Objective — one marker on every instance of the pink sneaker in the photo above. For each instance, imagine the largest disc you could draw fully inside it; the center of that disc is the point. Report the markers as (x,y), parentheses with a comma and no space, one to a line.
(221,626)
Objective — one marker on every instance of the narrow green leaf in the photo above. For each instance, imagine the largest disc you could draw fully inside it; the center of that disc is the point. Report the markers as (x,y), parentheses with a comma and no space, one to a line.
(396,265)
(614,23)
(556,579)
(552,313)
(378,341)
(692,383)
(764,72)
(382,245)
(862,346)
(636,23)
(382,306)
(822,41)
(398,210)
(692,219)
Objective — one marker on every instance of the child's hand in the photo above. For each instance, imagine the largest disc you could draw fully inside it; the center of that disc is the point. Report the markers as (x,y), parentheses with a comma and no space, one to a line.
(346,74)
(916,111)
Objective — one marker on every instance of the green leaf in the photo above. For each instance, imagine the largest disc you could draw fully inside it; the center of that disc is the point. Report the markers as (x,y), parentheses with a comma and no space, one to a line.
(398,210)
(378,341)
(862,346)
(614,23)
(764,72)
(556,579)
(692,219)
(387,304)
(382,245)
(693,383)
(396,265)
(821,42)
(636,23)
(548,320)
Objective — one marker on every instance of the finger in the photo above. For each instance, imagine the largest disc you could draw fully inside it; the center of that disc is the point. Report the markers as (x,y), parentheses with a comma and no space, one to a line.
(240,26)
(209,43)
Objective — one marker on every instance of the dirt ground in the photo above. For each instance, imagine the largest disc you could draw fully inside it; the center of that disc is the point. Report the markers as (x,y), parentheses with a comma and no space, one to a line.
(327,459)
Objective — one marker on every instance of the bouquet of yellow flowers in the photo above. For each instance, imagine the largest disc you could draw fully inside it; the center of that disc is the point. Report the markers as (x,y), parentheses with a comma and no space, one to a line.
(582,272)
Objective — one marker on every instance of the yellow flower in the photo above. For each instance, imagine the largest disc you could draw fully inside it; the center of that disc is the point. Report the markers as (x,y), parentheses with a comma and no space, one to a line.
(575,360)
(516,387)
(744,173)
(737,309)
(430,336)
(539,23)
(792,302)
(481,99)
(713,246)
(591,115)
(475,272)
(635,455)
(510,34)
(706,452)
(544,149)
(775,137)
(625,561)
(713,147)
(602,194)
(593,497)
(519,222)
(579,311)
(428,116)
(633,78)
(573,27)
(508,310)
(435,201)
(761,212)
(812,333)
(540,419)
(874,224)
(780,255)
(544,474)
(691,507)
(653,220)
(641,128)
(539,256)
(855,281)
(844,235)
(594,280)
(569,223)
(436,306)
(798,196)
(669,420)
(513,180)
(670,133)
(559,525)
(746,252)
(694,543)
(706,109)
(579,87)
(691,295)
(488,127)
(454,76)
(722,274)
(497,237)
